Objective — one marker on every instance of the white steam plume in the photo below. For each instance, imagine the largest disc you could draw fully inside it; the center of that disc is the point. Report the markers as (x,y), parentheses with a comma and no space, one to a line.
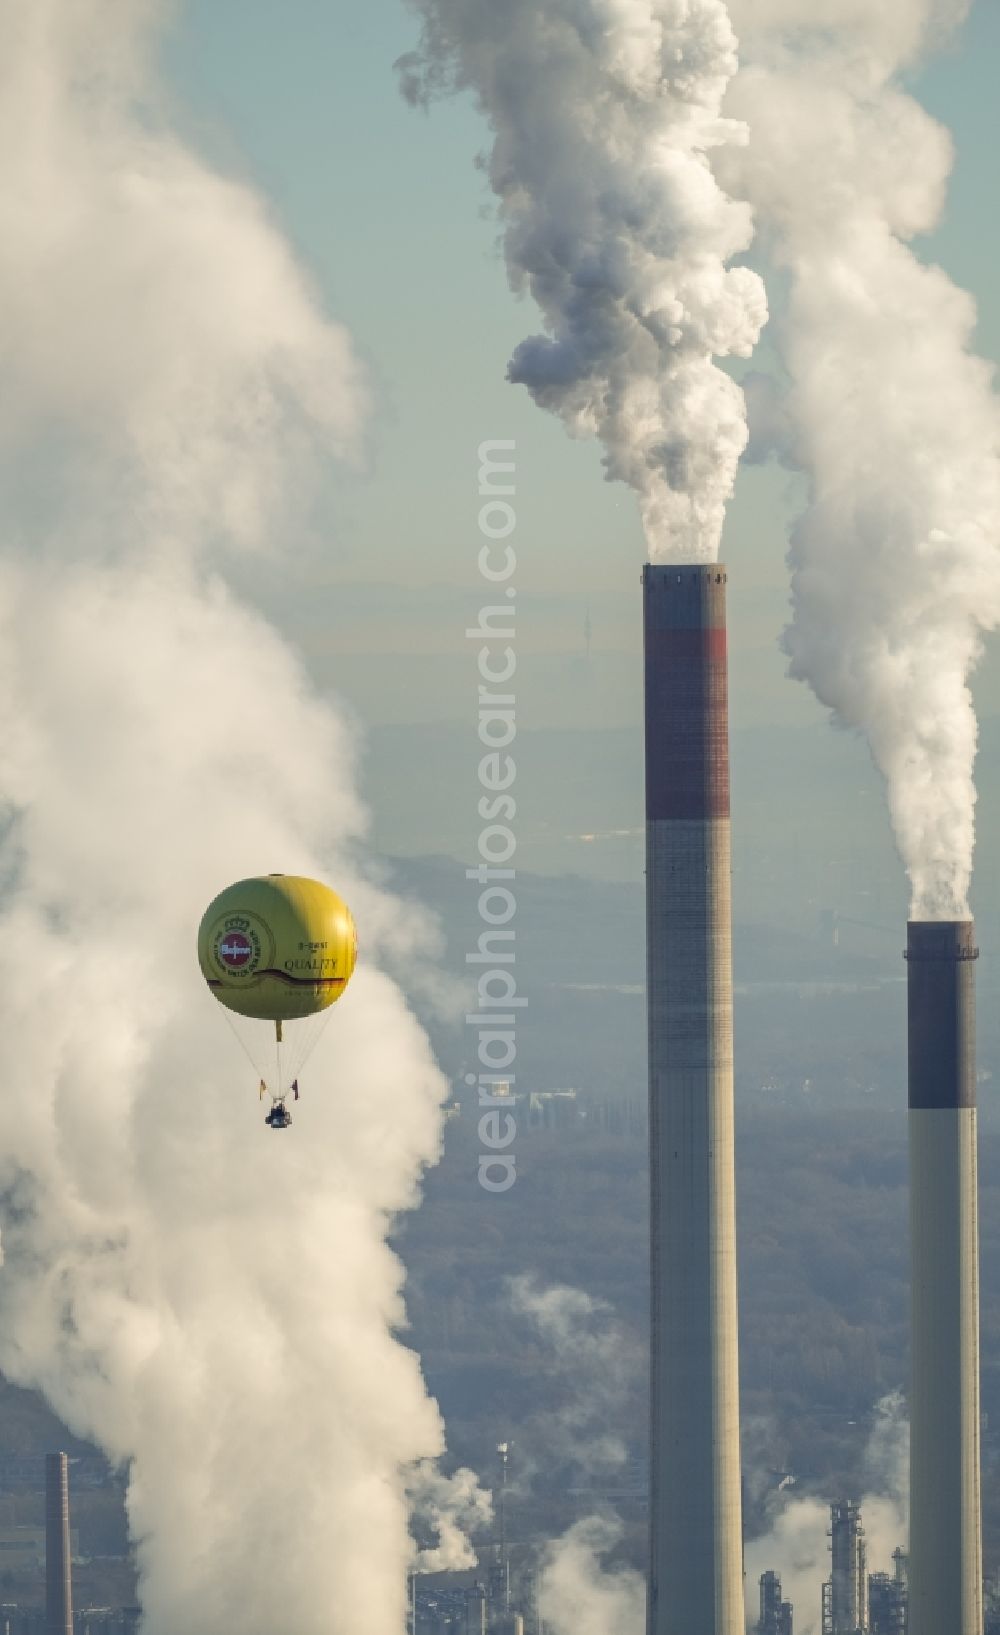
(597,1364)
(211,1304)
(895,563)
(797,1545)
(606,120)
(580,1590)
(454,1507)
(579,1594)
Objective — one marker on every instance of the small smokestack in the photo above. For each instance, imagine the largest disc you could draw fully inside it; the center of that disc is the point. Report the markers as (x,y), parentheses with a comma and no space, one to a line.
(945,1569)
(475,1610)
(58,1582)
(696,1573)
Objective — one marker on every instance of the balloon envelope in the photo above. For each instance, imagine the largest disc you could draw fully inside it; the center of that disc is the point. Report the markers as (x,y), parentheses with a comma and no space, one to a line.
(277,947)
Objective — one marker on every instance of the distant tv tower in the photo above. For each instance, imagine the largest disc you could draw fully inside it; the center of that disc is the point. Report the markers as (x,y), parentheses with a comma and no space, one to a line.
(588,631)
(504,1563)
(58,1569)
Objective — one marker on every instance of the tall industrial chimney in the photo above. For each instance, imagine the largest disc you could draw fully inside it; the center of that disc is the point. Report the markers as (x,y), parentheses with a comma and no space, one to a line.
(696,1575)
(945,1526)
(58,1589)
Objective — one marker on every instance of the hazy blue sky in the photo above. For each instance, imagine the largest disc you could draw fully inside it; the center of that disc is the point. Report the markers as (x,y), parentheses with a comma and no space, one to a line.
(388,210)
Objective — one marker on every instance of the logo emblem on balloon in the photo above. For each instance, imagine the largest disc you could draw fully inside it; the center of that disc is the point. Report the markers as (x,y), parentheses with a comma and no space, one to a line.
(235,950)
(237,947)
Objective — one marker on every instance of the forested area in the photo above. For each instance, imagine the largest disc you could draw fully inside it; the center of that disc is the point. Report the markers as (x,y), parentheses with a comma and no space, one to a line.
(822,1205)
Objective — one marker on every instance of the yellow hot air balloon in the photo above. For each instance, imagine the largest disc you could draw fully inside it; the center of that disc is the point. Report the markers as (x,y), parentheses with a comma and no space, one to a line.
(278,948)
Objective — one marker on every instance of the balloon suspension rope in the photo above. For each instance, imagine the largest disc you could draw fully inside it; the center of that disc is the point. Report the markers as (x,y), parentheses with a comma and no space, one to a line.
(277,1052)
(310,1043)
(242,1044)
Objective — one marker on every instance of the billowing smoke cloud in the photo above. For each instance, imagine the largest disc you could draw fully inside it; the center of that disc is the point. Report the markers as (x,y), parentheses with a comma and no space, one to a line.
(214,1305)
(606,117)
(454,1508)
(579,1593)
(597,1364)
(895,565)
(148,300)
(797,1545)
(897,36)
(582,1589)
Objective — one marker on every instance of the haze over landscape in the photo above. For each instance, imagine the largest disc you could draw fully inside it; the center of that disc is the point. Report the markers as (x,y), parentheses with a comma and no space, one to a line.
(273,280)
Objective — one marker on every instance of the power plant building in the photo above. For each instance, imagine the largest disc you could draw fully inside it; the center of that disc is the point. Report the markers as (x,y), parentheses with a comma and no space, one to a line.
(696,1569)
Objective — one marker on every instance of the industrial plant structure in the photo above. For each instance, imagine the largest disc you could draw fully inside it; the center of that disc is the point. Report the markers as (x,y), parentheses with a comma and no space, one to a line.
(945,1528)
(775,1612)
(845,1594)
(888,1598)
(855,1601)
(696,1574)
(696,1583)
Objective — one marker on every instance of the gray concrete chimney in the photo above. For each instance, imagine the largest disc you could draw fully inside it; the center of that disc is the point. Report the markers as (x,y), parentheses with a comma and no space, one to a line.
(696,1574)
